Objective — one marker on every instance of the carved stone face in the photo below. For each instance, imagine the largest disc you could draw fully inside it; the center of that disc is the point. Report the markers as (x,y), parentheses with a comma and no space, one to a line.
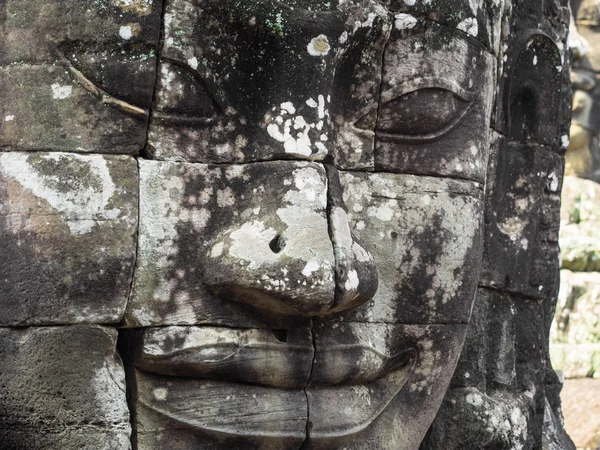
(316,255)
(310,212)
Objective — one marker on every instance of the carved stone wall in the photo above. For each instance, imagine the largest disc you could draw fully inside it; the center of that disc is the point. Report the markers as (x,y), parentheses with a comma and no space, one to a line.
(262,224)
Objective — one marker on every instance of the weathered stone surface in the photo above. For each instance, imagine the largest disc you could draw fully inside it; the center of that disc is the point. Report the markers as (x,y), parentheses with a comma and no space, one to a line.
(282,304)
(422,232)
(185,413)
(77,75)
(470,418)
(277,358)
(479,20)
(67,230)
(521,241)
(259,82)
(62,388)
(385,380)
(253,229)
(239,236)
(501,396)
(427,124)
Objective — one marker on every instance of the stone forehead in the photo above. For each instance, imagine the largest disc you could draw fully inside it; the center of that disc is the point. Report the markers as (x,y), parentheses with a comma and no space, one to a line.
(477,18)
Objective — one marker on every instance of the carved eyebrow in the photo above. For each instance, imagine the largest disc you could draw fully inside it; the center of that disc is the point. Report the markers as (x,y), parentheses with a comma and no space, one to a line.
(97,92)
(217,105)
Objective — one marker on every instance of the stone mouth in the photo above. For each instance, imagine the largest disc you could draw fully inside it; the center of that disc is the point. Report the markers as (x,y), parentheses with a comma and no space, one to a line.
(275,413)
(279,359)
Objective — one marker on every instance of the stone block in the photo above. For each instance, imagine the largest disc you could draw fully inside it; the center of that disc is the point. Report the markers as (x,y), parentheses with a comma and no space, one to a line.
(277,358)
(77,75)
(62,388)
(422,233)
(391,395)
(521,225)
(67,229)
(430,125)
(215,239)
(184,413)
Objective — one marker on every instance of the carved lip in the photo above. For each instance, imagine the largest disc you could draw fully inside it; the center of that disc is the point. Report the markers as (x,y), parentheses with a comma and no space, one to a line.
(267,361)
(275,415)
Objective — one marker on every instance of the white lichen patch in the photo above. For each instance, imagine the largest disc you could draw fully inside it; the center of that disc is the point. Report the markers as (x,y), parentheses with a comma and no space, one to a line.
(474,399)
(225,198)
(126,32)
(217,250)
(404,21)
(249,237)
(160,394)
(343,38)
(469,26)
(193,62)
(80,205)
(310,267)
(318,46)
(9,118)
(61,92)
(384,212)
(296,132)
(352,281)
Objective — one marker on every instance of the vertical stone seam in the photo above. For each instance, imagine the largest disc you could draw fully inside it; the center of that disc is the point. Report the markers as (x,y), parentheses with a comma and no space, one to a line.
(145,153)
(314,345)
(385,46)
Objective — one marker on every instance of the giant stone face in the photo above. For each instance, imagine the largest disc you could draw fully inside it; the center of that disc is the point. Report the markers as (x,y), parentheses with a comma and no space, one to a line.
(310,212)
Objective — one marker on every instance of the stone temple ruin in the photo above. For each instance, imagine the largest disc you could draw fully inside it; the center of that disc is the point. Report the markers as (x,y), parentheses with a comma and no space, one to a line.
(258,224)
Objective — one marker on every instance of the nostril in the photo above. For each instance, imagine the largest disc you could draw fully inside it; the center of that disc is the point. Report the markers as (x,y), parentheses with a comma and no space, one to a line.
(280,335)
(277,244)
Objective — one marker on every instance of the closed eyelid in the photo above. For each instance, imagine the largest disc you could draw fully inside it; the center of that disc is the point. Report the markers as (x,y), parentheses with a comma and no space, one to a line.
(410,86)
(422,111)
(416,84)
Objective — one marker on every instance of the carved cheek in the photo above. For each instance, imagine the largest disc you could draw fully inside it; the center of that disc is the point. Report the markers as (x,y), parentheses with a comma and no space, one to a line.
(425,236)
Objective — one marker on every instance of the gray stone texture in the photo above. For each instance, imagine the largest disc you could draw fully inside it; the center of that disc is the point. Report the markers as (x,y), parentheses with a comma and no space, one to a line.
(77,75)
(62,388)
(68,226)
(504,393)
(295,213)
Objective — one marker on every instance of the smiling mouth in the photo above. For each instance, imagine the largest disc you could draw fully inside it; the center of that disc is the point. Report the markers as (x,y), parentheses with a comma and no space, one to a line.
(218,378)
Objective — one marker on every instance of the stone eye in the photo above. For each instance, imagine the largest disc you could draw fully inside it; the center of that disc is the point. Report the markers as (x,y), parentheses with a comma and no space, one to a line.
(422,114)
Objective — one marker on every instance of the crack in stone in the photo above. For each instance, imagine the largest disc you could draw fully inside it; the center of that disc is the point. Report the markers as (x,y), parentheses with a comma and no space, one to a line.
(314,344)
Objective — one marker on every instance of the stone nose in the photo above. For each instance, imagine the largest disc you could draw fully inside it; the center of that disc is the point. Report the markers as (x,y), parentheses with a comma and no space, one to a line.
(298,256)
(356,277)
